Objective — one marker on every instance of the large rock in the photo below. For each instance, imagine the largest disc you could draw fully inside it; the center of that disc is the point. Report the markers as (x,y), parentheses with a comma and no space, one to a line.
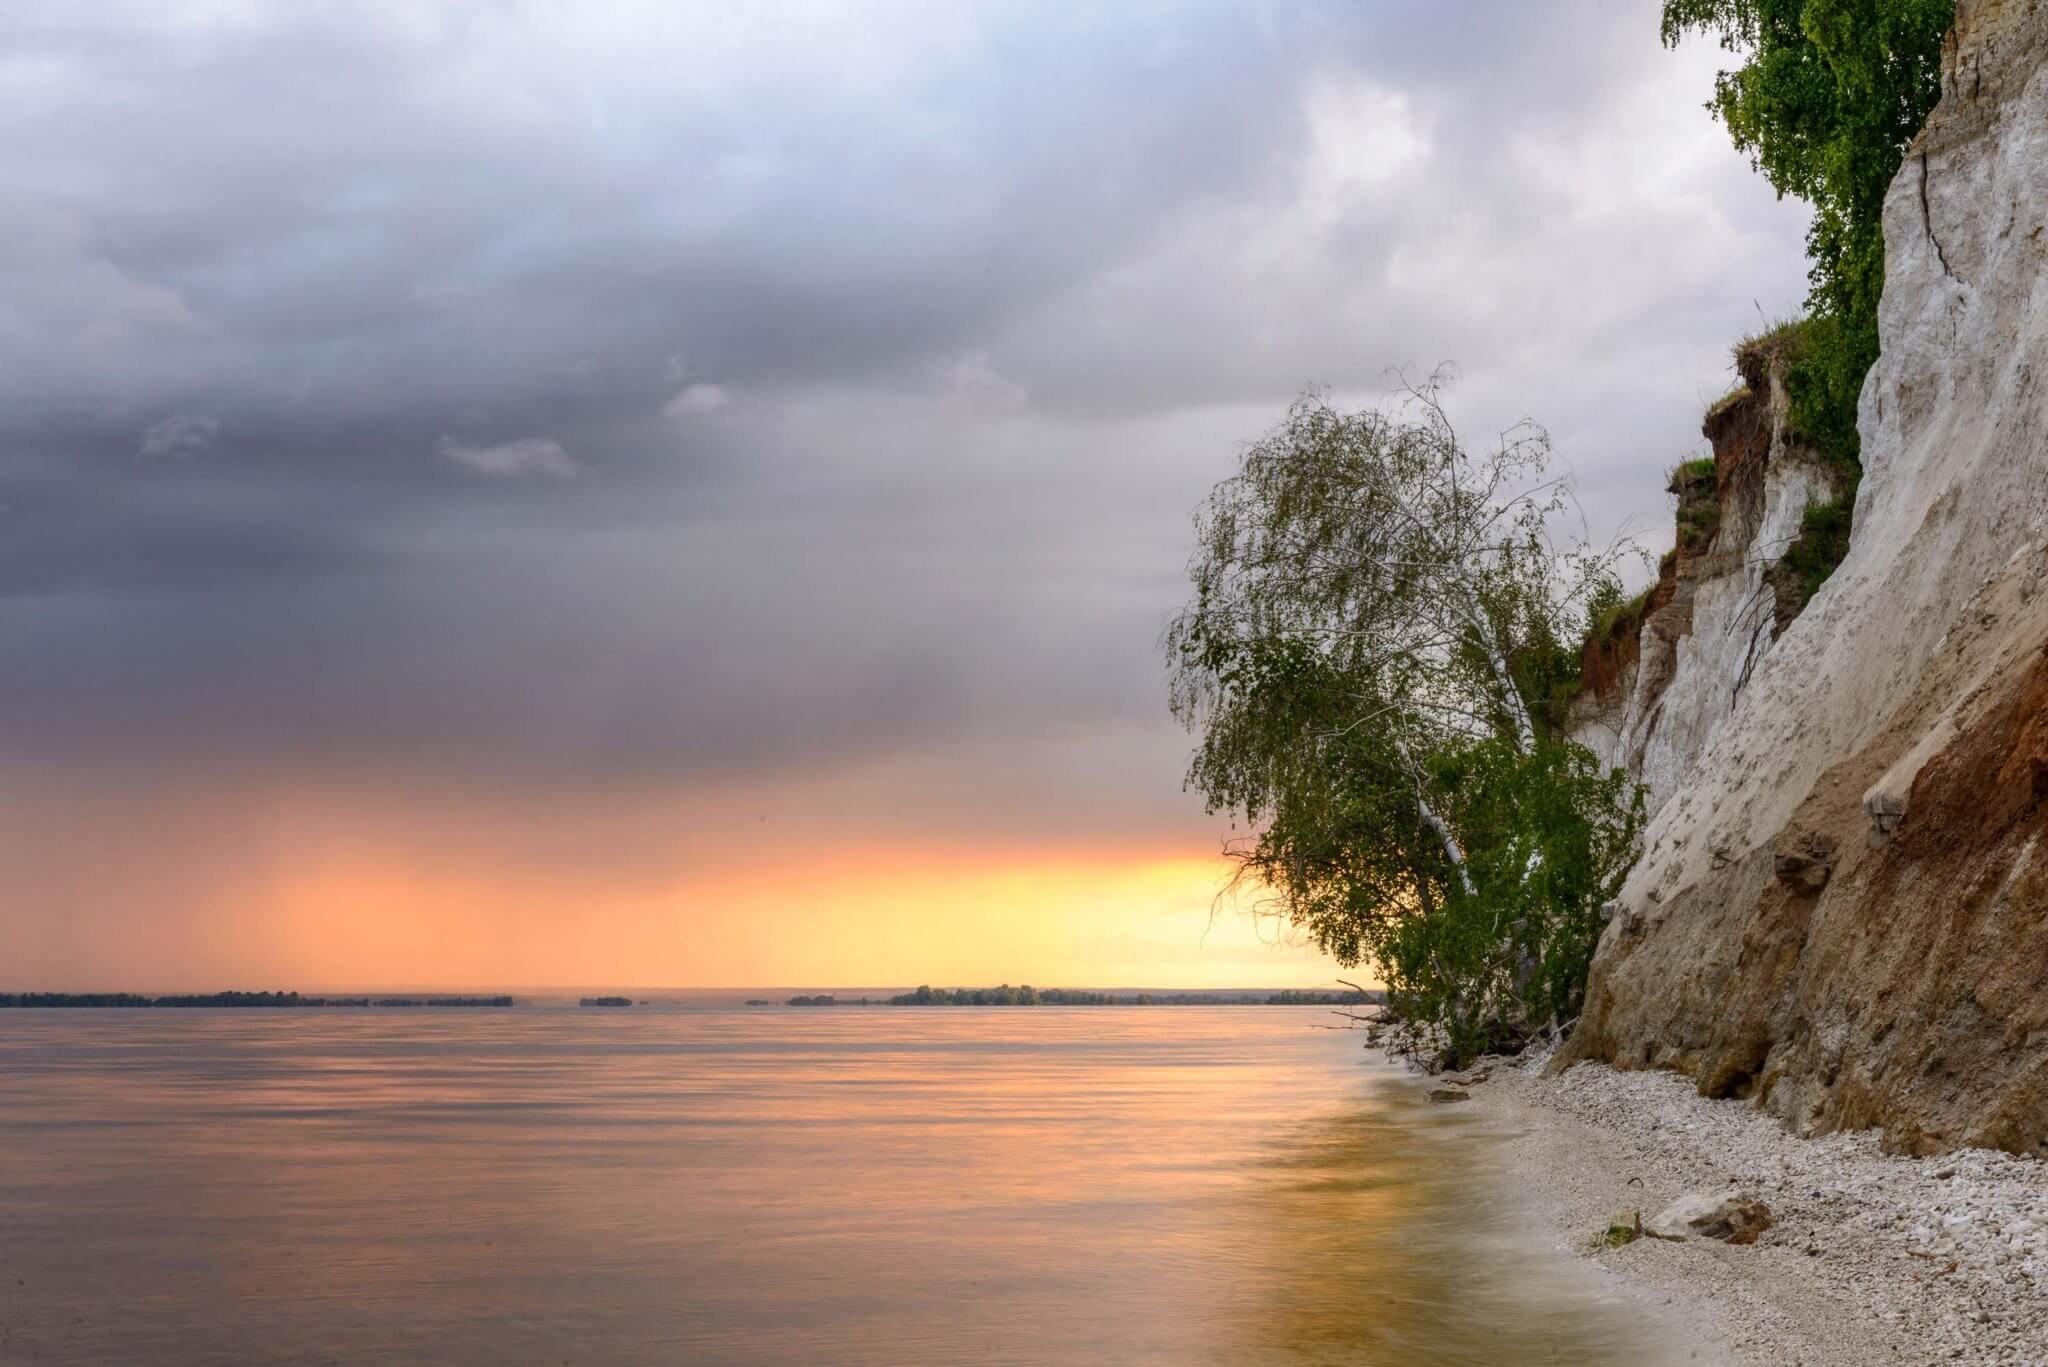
(1730,1218)
(1900,725)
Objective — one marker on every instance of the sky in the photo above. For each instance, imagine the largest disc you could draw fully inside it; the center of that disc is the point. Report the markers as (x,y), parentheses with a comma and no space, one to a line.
(687,495)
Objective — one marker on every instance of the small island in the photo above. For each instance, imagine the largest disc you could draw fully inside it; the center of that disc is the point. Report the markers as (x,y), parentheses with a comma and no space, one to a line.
(605,1001)
(234,999)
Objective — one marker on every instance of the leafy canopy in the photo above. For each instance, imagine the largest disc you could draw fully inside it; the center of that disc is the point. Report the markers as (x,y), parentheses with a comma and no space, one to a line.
(1369,662)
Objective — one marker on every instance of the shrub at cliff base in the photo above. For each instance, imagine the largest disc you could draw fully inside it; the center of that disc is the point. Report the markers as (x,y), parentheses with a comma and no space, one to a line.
(1369,663)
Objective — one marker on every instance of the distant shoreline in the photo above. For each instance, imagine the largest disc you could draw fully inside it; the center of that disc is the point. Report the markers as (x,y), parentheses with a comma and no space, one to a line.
(134,1000)
(1004,996)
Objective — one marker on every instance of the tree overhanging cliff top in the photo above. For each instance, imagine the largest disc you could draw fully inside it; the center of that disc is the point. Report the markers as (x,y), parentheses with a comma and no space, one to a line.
(1828,98)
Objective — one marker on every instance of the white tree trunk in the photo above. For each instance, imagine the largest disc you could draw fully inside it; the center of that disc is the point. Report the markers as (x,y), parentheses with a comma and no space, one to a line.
(1430,818)
(1450,842)
(1511,697)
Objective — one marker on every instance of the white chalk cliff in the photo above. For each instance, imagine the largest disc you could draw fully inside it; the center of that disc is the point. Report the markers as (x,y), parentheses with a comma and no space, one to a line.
(1717,609)
(1842,909)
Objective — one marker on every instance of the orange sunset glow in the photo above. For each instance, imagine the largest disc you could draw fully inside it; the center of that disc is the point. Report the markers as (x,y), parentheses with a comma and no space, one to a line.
(356,886)
(853,917)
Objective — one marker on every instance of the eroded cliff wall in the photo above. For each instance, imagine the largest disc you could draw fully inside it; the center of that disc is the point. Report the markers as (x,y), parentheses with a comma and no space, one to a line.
(1653,701)
(1843,909)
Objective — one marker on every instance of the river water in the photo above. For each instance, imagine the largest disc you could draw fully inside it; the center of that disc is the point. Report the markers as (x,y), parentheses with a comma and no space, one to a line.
(1171,1185)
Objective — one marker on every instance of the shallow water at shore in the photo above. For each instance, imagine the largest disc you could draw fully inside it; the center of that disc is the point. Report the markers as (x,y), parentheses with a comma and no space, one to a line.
(1141,1185)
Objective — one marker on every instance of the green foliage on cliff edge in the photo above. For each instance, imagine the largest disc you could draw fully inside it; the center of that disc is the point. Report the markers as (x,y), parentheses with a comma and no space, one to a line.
(1822,543)
(1828,98)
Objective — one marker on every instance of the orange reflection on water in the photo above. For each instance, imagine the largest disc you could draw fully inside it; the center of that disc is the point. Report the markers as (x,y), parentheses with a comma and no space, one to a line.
(1164,1185)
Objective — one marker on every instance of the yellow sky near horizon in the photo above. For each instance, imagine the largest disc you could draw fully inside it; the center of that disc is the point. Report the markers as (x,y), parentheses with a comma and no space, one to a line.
(855,917)
(321,890)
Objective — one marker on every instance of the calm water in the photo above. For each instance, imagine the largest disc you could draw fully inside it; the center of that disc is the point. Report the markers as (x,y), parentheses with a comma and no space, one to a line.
(1094,1185)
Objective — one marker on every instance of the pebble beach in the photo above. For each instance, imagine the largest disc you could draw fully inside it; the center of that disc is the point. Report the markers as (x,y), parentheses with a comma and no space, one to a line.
(1870,1257)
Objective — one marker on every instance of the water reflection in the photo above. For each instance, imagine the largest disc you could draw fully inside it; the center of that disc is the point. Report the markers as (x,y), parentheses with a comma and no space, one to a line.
(1383,1240)
(1024,1186)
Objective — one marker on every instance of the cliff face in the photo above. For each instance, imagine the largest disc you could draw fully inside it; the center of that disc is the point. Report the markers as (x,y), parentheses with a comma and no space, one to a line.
(1652,700)
(1843,911)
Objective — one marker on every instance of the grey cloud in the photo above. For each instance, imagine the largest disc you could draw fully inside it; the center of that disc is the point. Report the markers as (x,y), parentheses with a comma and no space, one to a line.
(510,459)
(895,347)
(396,234)
(179,435)
(697,398)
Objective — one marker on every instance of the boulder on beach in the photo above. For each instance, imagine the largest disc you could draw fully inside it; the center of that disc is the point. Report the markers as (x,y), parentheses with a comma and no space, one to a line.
(1730,1218)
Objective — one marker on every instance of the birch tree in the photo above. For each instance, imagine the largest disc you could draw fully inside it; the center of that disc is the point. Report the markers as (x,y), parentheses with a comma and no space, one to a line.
(1376,661)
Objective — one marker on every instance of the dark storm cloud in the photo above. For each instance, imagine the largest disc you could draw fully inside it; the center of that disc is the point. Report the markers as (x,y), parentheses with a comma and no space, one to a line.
(573,394)
(358,209)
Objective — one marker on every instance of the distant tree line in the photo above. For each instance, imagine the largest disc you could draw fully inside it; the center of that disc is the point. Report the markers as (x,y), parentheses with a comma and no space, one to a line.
(1006,995)
(256,999)
(605,1001)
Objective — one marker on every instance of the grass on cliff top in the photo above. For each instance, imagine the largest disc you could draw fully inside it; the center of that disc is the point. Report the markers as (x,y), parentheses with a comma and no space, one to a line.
(1613,620)
(1786,339)
(1687,474)
(1613,617)
(1613,614)
(1735,395)
(1817,417)
(1818,410)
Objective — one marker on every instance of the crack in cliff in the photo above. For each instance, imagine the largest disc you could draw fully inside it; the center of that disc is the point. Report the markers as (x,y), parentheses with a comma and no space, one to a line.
(1927,220)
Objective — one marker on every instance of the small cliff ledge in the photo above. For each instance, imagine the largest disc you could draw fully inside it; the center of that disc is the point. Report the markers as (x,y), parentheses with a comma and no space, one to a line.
(1842,909)
(1654,692)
